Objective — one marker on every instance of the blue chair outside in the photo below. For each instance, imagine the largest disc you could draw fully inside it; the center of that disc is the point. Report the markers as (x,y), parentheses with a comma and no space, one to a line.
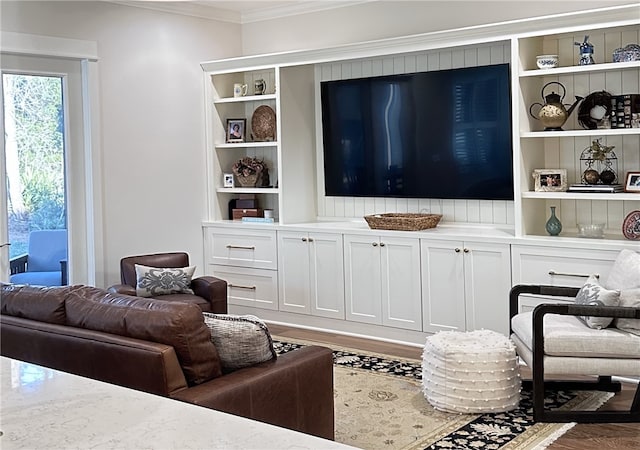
(46,262)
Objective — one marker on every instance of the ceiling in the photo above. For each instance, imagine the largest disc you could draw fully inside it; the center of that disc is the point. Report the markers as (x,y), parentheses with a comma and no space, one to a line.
(240,11)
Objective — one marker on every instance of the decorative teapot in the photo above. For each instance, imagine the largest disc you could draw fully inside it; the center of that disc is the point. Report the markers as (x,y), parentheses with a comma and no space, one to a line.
(553,113)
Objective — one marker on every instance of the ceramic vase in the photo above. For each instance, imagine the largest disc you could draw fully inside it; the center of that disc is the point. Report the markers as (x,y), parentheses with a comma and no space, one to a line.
(553,225)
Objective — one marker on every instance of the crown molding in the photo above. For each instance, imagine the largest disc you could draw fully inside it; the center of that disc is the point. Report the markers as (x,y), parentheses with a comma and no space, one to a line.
(295,9)
(207,9)
(185,8)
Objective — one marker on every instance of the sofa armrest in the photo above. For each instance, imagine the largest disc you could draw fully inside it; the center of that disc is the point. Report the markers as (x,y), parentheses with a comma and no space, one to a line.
(294,391)
(212,289)
(122,289)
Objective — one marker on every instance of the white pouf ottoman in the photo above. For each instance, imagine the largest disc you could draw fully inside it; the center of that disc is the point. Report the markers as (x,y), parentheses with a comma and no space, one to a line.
(470,372)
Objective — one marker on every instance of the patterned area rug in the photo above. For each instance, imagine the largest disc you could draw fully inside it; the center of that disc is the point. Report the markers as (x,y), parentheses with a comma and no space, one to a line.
(379,405)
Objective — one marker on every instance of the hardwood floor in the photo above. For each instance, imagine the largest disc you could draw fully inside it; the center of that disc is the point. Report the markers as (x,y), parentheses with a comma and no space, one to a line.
(580,437)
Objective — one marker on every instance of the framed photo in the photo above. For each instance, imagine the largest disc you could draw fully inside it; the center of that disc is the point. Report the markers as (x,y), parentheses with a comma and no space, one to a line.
(227,180)
(550,180)
(236,130)
(633,182)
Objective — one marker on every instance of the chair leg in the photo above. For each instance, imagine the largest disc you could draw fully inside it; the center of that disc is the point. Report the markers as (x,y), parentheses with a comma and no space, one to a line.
(540,414)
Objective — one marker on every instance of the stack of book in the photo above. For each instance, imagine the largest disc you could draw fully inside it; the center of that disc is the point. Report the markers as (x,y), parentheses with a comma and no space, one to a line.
(623,107)
(604,188)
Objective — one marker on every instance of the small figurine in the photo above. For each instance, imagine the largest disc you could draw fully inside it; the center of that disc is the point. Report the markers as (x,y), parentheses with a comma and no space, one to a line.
(586,52)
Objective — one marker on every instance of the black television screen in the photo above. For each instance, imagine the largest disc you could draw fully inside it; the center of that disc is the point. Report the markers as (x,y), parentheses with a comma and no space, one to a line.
(441,134)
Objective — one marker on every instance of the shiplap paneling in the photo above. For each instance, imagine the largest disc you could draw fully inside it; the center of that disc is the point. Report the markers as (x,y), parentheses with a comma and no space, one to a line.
(463,211)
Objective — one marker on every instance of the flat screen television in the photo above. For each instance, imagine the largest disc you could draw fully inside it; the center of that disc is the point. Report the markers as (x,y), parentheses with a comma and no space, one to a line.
(441,134)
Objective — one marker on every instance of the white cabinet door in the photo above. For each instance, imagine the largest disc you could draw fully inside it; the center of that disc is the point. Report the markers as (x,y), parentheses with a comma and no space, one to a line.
(400,283)
(487,273)
(362,279)
(311,276)
(326,275)
(293,268)
(443,297)
(465,285)
(382,281)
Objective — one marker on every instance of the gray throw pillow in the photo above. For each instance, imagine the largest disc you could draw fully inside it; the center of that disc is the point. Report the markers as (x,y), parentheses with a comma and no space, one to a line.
(625,273)
(241,341)
(592,293)
(630,298)
(155,281)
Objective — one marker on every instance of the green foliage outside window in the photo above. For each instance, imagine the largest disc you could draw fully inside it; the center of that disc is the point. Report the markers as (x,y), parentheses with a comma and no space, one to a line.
(35,141)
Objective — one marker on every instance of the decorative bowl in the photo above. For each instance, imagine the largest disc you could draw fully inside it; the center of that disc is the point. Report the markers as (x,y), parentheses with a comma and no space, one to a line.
(630,52)
(547,61)
(591,230)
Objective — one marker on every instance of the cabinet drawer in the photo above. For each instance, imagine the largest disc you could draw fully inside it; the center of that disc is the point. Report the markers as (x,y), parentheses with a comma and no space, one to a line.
(241,248)
(559,266)
(256,288)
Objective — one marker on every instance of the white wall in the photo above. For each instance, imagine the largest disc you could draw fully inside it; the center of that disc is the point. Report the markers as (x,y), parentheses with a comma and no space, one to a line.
(384,19)
(151,94)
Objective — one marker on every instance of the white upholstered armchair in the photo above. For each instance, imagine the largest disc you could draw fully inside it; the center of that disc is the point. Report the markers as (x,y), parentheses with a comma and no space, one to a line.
(597,336)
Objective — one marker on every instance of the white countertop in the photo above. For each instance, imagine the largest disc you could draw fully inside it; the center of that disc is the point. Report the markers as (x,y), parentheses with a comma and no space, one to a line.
(47,409)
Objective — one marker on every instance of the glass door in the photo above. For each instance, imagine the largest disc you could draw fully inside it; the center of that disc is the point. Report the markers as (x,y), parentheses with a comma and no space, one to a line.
(33,209)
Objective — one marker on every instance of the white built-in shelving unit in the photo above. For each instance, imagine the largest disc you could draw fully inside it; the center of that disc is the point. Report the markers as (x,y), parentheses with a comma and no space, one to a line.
(481,247)
(535,149)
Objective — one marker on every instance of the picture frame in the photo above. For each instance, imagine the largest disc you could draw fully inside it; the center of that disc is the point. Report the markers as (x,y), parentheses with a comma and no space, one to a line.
(632,182)
(227,180)
(236,130)
(550,180)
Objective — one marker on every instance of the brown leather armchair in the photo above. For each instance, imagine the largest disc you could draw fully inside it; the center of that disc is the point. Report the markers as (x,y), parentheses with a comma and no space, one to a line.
(210,293)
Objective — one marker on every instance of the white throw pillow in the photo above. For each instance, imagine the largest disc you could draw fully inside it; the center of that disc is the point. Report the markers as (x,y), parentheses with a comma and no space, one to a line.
(241,341)
(625,273)
(592,293)
(631,298)
(155,281)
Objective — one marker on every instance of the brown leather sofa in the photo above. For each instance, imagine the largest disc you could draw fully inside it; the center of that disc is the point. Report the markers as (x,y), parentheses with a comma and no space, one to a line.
(163,348)
(209,293)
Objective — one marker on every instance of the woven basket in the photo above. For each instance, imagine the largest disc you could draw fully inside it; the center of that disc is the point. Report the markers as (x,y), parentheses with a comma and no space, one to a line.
(247,181)
(403,221)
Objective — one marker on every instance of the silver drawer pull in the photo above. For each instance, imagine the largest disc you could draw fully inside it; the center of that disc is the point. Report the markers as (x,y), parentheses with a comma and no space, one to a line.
(578,275)
(242,247)
(239,286)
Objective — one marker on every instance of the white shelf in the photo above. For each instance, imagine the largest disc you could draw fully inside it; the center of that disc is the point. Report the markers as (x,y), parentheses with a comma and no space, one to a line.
(591,68)
(570,133)
(620,196)
(255,190)
(246,98)
(248,144)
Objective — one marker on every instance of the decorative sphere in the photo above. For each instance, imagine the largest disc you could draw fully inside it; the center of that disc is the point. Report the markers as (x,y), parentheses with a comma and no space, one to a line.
(607,176)
(591,176)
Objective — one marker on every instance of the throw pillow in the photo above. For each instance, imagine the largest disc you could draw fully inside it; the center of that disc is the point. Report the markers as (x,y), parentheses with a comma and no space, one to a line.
(241,341)
(630,298)
(592,293)
(625,273)
(154,281)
